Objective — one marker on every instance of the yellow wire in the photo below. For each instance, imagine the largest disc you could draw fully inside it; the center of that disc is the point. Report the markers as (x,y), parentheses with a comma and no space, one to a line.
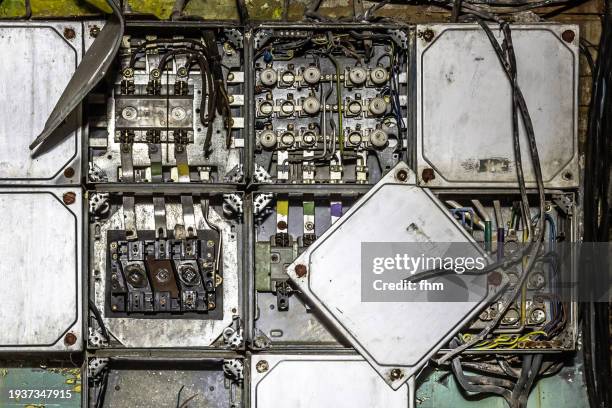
(506,340)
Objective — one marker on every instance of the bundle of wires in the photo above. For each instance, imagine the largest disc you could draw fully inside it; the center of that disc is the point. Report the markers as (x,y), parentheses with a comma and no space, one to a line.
(517,398)
(329,47)
(206,56)
(595,315)
(515,393)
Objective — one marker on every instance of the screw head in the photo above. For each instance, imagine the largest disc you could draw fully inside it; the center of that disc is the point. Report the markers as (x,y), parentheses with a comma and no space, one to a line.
(262,366)
(568,36)
(427,175)
(94,31)
(395,374)
(282,225)
(495,278)
(69,172)
(128,72)
(427,35)
(300,270)
(163,275)
(69,198)
(70,339)
(69,33)
(401,175)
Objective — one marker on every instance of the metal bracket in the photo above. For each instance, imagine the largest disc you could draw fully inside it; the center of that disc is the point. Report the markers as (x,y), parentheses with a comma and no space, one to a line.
(94,65)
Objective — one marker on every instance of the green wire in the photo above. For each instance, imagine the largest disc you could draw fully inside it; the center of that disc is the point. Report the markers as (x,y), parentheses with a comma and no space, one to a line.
(339,96)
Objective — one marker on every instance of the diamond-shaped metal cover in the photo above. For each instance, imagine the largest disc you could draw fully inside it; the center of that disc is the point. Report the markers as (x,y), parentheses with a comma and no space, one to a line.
(396,338)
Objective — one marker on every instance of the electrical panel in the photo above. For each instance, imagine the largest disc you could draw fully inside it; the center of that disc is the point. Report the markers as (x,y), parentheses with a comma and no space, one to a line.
(495,221)
(212,253)
(330,105)
(285,225)
(175,111)
(166,270)
(464,116)
(189,379)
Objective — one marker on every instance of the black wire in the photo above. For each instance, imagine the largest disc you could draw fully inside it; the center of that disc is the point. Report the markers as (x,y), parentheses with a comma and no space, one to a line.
(103,386)
(523,395)
(467,382)
(522,380)
(456,11)
(243,12)
(518,102)
(178,398)
(587,55)
(596,203)
(98,316)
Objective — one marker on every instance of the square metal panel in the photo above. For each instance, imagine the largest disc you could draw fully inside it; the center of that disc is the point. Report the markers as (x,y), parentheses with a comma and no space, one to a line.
(397,337)
(40,249)
(305,381)
(464,116)
(38,61)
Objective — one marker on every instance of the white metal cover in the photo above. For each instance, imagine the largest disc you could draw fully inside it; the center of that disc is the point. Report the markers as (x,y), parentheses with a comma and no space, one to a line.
(40,269)
(464,128)
(390,335)
(38,60)
(309,381)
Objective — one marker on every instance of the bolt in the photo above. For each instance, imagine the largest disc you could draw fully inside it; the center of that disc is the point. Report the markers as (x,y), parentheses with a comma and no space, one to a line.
(495,278)
(282,225)
(427,35)
(155,73)
(163,275)
(70,339)
(69,33)
(69,198)
(427,175)
(568,36)
(128,72)
(300,270)
(94,31)
(401,175)
(262,366)
(396,374)
(69,172)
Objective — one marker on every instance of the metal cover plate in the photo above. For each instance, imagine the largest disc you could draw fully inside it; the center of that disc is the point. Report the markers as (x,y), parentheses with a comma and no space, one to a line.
(464,117)
(390,335)
(304,381)
(39,60)
(40,249)
(135,332)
